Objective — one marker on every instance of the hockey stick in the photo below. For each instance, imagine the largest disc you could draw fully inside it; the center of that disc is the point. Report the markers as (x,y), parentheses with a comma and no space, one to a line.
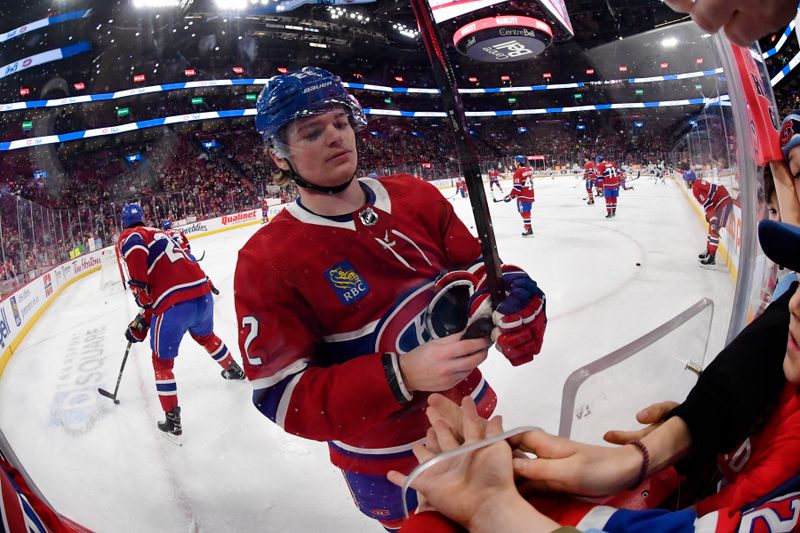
(107,394)
(467,154)
(202,256)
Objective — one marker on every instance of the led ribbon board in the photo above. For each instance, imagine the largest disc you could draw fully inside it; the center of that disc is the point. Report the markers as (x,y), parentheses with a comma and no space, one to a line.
(503,39)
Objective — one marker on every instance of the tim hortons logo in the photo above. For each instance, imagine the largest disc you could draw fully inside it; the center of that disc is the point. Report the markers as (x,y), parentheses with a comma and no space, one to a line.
(85,263)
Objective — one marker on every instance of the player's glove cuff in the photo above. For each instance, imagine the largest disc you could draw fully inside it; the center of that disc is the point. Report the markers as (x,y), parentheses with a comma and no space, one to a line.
(391,368)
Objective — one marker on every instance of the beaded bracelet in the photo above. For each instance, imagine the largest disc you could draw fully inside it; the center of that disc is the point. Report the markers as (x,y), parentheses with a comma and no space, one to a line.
(645,462)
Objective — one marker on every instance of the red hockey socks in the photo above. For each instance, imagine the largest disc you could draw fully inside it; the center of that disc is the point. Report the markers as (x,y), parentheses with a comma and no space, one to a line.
(215,348)
(166,387)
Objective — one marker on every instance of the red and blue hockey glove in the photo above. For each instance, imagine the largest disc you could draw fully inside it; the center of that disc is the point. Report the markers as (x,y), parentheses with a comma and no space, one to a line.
(140,293)
(520,319)
(137,329)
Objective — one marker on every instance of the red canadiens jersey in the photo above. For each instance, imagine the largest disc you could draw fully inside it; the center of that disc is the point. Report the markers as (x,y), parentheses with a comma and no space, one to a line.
(158,261)
(523,184)
(762,462)
(180,237)
(461,184)
(609,174)
(319,299)
(711,197)
(588,171)
(494,175)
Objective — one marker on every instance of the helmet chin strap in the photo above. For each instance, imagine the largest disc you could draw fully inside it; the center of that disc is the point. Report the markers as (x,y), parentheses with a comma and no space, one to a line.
(301,182)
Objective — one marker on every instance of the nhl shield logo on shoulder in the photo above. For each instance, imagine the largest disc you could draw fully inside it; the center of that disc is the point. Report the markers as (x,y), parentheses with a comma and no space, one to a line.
(368,217)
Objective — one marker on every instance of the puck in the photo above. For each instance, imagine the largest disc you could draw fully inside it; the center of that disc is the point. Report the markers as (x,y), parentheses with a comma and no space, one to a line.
(638,264)
(116,402)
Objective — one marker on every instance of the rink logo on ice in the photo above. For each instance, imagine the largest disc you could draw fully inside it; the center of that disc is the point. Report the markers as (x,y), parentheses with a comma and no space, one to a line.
(76,404)
(15,310)
(348,285)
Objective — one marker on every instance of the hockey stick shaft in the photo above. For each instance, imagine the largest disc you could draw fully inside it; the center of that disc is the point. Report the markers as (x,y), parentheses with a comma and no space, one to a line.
(446,79)
(119,377)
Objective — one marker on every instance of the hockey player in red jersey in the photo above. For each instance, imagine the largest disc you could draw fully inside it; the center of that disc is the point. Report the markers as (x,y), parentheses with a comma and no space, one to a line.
(717,205)
(339,298)
(461,187)
(174,292)
(610,177)
(589,178)
(523,192)
(180,237)
(598,177)
(264,211)
(494,179)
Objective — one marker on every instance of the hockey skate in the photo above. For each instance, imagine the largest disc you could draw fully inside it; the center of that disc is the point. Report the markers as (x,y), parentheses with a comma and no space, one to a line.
(527,233)
(703,255)
(609,215)
(590,201)
(171,427)
(233,372)
(708,261)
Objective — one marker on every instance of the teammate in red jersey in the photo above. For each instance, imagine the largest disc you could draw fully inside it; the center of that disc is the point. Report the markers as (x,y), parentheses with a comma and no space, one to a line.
(180,237)
(174,292)
(461,187)
(264,211)
(598,177)
(589,178)
(494,179)
(523,192)
(340,299)
(611,179)
(717,205)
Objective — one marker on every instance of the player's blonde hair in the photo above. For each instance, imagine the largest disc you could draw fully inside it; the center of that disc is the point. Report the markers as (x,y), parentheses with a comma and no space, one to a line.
(281,178)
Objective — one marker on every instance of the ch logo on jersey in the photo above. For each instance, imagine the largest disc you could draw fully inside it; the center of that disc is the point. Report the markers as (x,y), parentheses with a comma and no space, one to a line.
(787,132)
(348,285)
(405,324)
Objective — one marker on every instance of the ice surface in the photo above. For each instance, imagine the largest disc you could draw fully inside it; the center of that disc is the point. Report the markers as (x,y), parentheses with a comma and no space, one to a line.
(106,466)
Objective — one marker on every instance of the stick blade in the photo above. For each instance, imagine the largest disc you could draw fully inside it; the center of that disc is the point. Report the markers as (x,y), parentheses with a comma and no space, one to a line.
(107,394)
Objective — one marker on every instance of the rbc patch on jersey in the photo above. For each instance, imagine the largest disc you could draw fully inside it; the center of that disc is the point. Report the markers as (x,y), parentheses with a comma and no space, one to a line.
(348,285)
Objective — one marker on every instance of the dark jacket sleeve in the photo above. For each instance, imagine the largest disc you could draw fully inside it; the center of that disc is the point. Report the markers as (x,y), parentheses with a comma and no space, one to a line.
(737,390)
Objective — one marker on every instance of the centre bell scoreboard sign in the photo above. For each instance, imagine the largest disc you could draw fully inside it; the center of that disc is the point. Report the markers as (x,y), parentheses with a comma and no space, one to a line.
(448,9)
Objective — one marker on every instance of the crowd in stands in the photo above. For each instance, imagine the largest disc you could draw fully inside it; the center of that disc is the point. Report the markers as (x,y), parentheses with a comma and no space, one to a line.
(207,169)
